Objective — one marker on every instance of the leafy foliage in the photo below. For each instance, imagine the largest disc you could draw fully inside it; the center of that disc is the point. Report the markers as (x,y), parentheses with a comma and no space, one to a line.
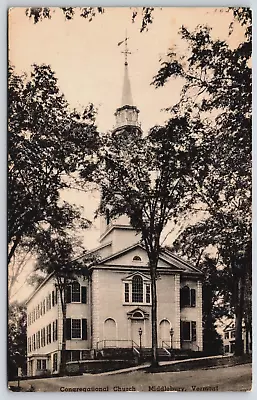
(218,84)
(17,339)
(38,14)
(47,144)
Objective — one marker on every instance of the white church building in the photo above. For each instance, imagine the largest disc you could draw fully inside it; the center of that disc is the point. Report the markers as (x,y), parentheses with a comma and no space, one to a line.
(112,307)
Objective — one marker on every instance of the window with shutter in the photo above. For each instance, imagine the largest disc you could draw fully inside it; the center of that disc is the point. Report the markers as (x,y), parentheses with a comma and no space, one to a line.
(193,329)
(193,297)
(75,292)
(186,330)
(68,329)
(84,294)
(68,294)
(84,329)
(126,293)
(55,360)
(148,294)
(76,329)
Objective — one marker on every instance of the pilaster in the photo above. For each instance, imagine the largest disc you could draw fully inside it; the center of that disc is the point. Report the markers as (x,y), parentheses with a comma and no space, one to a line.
(199,323)
(176,327)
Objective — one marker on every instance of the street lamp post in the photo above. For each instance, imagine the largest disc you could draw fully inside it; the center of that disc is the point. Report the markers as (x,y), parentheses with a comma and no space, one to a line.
(171,336)
(140,339)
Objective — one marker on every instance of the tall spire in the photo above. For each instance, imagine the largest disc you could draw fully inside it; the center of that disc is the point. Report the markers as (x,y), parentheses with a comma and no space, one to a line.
(127,113)
(126,91)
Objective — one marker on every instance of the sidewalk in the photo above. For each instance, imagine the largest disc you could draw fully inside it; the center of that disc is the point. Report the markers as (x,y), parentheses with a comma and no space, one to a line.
(143,366)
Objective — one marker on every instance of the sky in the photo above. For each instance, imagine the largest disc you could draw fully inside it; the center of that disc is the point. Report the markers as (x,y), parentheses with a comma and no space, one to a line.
(89,66)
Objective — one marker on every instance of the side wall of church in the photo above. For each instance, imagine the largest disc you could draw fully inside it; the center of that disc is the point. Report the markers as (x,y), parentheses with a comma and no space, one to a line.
(194,313)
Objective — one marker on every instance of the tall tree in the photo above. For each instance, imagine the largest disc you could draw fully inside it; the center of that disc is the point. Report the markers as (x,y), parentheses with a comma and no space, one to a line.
(17,339)
(146,179)
(57,256)
(218,84)
(47,144)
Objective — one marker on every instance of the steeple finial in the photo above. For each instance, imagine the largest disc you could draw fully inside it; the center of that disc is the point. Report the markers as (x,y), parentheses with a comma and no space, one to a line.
(126,51)
(126,92)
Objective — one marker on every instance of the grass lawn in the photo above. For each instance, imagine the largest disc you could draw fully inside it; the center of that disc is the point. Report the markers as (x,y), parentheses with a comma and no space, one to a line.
(235,378)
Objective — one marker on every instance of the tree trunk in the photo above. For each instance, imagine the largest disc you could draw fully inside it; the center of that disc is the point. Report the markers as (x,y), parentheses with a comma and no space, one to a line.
(246,338)
(239,345)
(153,267)
(64,315)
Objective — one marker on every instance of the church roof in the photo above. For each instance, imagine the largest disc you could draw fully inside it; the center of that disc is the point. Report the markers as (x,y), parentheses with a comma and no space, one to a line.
(170,260)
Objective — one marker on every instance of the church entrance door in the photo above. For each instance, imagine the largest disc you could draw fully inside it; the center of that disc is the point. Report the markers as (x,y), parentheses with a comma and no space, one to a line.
(135,327)
(110,333)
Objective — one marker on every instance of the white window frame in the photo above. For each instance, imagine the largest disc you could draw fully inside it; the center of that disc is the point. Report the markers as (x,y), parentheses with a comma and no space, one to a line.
(75,302)
(146,282)
(76,338)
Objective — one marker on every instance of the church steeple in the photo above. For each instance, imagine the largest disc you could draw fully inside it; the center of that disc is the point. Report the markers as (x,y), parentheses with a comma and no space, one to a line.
(127,113)
(126,92)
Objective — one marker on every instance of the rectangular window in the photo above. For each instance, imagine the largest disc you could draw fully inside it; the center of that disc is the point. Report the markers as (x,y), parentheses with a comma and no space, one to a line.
(226,335)
(41,364)
(56,295)
(75,292)
(148,294)
(53,298)
(49,301)
(76,329)
(43,307)
(126,293)
(137,289)
(188,331)
(232,334)
(34,342)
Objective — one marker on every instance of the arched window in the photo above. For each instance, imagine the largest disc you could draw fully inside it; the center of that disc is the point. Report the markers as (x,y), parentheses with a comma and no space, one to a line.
(138,315)
(137,289)
(185,296)
(137,258)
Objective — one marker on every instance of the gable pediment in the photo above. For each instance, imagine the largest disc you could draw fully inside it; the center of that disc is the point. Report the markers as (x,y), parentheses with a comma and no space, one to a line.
(131,276)
(135,257)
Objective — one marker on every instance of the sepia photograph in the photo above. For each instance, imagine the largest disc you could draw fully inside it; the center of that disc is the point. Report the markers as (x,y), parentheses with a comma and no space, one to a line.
(129,199)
